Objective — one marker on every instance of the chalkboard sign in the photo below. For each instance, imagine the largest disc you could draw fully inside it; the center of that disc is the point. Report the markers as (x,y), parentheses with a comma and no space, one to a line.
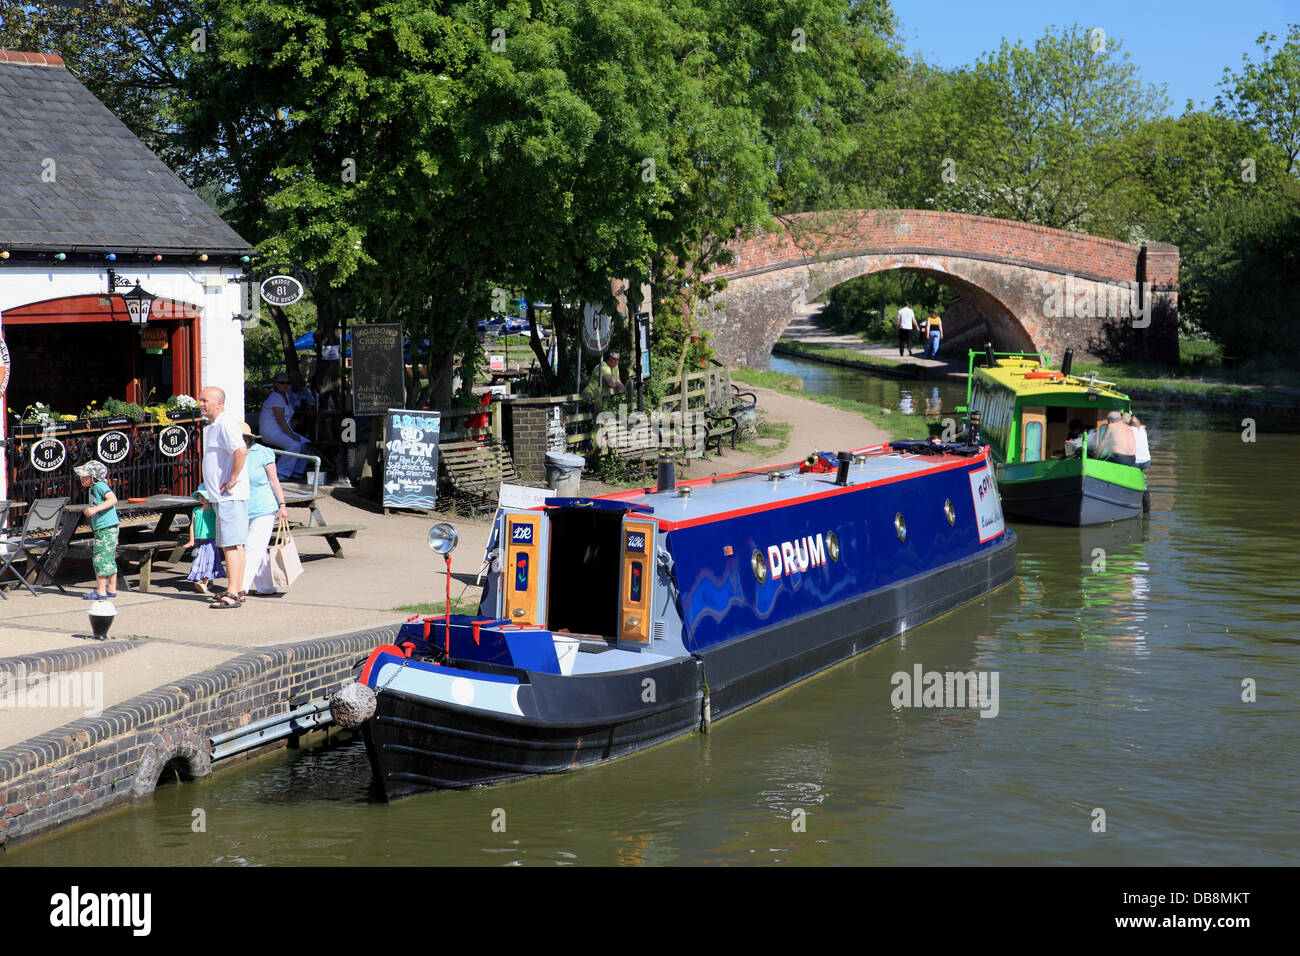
(410,458)
(378,373)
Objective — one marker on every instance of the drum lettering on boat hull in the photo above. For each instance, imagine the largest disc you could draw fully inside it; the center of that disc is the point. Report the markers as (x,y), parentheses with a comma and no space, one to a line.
(791,557)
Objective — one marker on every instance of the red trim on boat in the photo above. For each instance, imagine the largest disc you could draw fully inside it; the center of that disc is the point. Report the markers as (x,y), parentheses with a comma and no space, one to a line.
(830,492)
(370,661)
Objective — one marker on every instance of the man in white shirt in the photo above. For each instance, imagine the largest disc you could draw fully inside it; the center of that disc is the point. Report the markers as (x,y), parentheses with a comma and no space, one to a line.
(226,481)
(906,322)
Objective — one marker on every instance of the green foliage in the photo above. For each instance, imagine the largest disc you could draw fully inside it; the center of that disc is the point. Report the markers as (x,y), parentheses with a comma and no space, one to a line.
(1266,95)
(1041,134)
(116,408)
(780,381)
(1241,273)
(1186,166)
(263,351)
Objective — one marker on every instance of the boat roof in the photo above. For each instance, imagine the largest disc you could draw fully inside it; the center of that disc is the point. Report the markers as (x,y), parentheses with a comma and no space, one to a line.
(748,492)
(1012,372)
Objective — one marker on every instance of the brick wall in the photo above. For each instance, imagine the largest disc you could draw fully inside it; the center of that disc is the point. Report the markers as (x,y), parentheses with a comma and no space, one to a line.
(101,762)
(1004,269)
(843,232)
(525,433)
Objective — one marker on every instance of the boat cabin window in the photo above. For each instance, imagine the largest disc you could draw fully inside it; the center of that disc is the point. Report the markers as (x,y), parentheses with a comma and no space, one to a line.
(584,569)
(1033,420)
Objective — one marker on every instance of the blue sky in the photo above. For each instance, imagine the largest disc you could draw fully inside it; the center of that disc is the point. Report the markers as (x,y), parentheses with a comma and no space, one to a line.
(1183,45)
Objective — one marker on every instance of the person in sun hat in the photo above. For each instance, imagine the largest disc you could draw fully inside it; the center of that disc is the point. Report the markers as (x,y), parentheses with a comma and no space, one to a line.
(265,507)
(104,522)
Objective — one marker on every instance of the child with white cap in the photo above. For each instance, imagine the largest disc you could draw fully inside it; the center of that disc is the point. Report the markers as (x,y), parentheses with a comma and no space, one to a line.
(104,522)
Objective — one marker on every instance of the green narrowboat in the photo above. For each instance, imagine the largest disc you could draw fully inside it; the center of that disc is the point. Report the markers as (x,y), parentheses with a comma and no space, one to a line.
(1024,411)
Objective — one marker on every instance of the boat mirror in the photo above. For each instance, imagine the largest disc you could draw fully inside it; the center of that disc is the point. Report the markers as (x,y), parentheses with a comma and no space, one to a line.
(443,538)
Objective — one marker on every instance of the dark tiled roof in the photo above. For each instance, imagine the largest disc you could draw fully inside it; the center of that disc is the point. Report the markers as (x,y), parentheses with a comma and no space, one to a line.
(110,192)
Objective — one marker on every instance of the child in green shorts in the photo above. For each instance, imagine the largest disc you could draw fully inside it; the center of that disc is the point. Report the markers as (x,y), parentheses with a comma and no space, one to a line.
(103,521)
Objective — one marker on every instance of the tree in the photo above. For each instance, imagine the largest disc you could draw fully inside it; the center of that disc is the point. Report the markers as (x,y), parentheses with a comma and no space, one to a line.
(1266,95)
(1189,165)
(1240,273)
(1041,134)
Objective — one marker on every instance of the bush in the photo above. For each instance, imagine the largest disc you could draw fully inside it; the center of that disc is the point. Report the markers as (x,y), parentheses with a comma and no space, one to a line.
(1240,279)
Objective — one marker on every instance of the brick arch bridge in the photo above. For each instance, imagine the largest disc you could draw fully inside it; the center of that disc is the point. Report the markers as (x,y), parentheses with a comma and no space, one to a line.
(1022,286)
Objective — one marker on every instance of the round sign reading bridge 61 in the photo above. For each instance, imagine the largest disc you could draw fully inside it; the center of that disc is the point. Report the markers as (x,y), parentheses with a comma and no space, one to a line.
(281,290)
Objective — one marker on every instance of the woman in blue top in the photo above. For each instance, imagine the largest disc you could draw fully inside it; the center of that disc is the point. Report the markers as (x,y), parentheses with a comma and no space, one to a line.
(103,521)
(265,505)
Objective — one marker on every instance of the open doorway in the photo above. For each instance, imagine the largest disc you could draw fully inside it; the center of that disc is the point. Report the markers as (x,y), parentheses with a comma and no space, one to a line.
(584,570)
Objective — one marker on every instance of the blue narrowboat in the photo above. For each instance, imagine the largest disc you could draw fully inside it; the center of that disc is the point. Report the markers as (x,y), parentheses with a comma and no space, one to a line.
(611,624)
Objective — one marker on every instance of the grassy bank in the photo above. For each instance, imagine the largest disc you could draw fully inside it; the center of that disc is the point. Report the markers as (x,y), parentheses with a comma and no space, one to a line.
(818,351)
(458,606)
(1191,383)
(899,427)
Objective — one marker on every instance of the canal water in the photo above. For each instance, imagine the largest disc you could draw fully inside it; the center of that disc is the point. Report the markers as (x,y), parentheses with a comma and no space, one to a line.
(1146,715)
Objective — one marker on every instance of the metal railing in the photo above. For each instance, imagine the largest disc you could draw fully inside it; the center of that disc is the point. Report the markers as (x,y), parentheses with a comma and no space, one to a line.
(315,472)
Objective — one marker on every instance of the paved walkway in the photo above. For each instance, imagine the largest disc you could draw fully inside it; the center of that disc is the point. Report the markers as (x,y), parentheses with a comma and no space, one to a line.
(174,633)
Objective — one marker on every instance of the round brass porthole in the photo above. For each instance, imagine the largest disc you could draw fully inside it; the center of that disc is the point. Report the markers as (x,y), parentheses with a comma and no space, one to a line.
(900,526)
(759,564)
(832,546)
(949,511)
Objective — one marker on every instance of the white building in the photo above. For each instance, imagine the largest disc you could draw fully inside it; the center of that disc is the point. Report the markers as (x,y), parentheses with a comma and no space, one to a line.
(80,196)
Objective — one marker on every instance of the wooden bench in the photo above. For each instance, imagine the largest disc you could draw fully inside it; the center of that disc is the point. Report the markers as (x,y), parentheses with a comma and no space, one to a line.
(474,471)
(331,533)
(143,553)
(635,446)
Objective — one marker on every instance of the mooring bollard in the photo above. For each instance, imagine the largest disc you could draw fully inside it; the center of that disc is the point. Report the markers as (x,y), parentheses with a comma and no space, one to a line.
(101,618)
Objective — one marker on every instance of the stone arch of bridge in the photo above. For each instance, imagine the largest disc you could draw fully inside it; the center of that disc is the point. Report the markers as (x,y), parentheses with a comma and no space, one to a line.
(1005,329)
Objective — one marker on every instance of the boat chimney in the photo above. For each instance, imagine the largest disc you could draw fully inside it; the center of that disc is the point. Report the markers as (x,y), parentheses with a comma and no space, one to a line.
(1067,362)
(842,474)
(989,360)
(667,481)
(974,426)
